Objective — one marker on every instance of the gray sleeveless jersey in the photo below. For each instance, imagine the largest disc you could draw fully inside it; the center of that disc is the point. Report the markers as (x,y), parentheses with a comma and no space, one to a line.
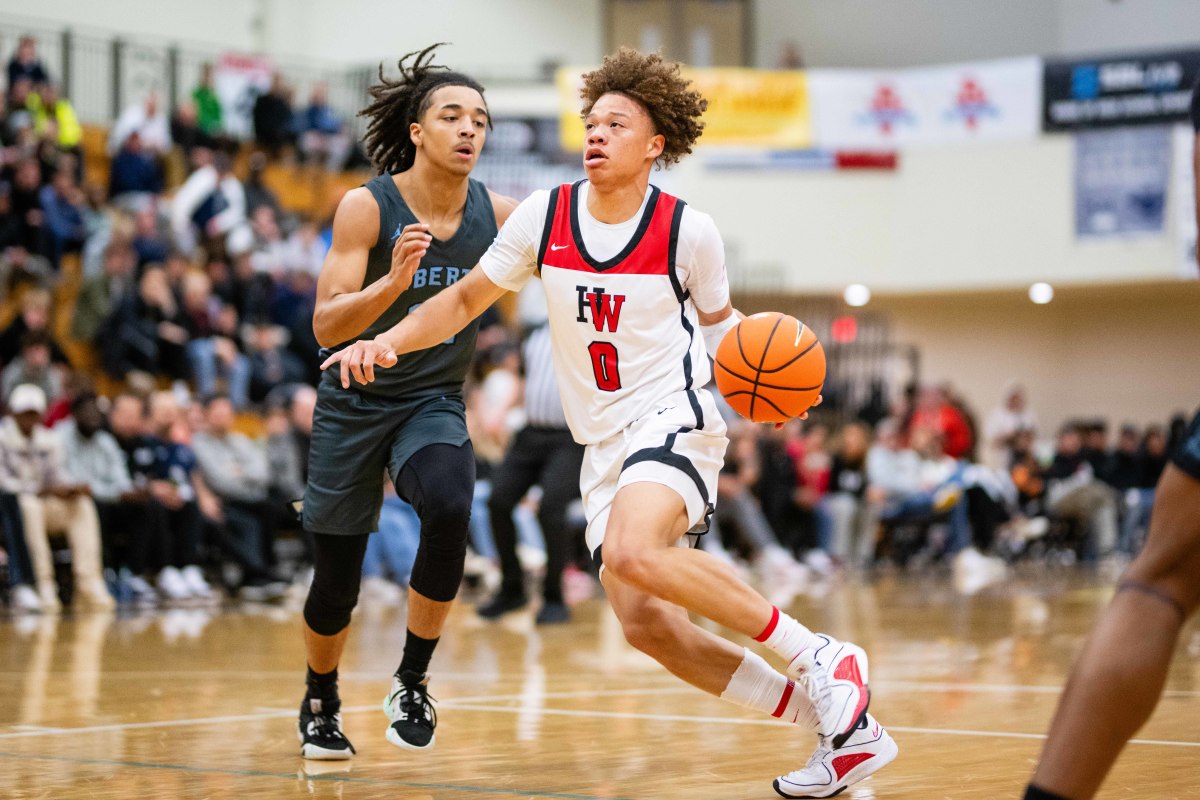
(442,368)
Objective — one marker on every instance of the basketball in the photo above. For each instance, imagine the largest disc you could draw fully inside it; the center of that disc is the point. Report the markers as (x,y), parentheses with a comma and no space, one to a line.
(770,368)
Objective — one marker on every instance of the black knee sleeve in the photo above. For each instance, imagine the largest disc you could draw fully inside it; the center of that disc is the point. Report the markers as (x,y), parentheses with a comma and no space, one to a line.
(439,483)
(337,574)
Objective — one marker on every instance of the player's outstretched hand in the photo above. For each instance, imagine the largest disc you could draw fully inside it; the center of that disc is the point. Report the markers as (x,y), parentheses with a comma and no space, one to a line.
(410,247)
(817,402)
(360,359)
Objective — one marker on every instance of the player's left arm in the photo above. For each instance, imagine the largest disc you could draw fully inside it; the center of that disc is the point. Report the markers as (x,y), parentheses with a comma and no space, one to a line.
(707,283)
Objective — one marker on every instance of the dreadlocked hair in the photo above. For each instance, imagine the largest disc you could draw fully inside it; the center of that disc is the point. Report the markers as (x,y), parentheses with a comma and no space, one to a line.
(397,104)
(657,85)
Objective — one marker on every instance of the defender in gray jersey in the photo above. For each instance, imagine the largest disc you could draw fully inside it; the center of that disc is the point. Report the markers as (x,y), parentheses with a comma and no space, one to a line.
(397,241)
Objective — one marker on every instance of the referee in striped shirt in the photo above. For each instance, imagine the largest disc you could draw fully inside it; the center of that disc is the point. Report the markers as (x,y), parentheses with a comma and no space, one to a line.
(542,453)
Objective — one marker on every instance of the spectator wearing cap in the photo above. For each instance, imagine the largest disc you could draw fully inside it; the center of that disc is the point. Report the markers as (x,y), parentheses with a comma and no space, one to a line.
(133,535)
(32,467)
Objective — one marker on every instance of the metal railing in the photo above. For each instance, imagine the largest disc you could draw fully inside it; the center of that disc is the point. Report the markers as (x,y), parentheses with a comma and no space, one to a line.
(103,73)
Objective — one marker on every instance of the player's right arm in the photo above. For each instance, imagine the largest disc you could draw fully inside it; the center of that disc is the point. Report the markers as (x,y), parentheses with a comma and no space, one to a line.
(345,308)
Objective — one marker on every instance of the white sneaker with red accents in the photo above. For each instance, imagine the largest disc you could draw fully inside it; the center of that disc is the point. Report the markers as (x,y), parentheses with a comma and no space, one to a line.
(831,771)
(835,676)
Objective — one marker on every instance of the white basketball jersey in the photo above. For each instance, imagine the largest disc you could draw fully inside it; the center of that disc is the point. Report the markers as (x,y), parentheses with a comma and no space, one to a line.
(625,330)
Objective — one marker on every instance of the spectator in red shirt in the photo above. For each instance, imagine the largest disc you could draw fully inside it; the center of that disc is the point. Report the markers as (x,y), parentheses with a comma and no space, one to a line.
(935,411)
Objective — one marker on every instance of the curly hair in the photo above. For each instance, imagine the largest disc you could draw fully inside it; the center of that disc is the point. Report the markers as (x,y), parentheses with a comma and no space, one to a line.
(399,103)
(658,87)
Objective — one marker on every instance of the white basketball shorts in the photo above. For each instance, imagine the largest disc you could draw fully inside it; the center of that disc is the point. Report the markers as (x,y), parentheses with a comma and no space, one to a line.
(665,446)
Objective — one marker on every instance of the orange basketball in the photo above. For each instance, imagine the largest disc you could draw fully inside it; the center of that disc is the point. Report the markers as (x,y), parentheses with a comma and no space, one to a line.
(770,367)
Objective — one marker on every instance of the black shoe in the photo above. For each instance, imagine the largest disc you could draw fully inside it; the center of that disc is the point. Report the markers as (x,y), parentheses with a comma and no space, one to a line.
(553,614)
(410,708)
(320,731)
(501,604)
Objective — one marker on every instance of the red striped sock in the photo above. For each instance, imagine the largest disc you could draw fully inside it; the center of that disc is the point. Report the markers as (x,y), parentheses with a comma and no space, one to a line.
(785,636)
(756,685)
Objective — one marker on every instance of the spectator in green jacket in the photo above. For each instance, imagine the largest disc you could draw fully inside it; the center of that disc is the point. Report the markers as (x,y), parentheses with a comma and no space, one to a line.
(208,105)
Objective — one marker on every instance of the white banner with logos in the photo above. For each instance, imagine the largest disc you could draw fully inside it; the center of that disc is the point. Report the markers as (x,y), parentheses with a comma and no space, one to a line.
(238,81)
(1185,200)
(985,100)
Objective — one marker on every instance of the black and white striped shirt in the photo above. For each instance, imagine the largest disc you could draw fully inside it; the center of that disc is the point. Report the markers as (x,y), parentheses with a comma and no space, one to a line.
(543,402)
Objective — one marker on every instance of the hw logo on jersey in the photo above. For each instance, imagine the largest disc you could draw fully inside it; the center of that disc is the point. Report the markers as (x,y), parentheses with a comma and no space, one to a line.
(605,308)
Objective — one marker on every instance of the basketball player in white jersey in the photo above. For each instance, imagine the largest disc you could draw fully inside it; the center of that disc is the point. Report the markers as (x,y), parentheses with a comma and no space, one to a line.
(636,288)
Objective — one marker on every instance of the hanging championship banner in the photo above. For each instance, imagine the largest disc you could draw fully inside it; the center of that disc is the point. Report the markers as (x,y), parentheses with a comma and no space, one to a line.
(1150,89)
(1121,178)
(977,101)
(746,107)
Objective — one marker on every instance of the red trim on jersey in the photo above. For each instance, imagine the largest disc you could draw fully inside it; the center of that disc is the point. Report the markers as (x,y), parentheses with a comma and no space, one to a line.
(651,255)
(783,701)
(767,631)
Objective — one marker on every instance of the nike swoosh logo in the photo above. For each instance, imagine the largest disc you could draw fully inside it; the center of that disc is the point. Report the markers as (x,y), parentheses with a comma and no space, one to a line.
(557,247)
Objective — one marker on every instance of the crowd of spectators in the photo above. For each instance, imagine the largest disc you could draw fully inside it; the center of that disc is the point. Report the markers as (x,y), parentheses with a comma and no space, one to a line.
(914,491)
(189,304)
(192,310)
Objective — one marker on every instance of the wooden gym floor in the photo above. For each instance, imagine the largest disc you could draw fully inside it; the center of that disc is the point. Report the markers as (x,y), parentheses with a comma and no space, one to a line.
(187,703)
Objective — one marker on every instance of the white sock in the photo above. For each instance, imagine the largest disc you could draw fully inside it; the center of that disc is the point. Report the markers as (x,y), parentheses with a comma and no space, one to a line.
(787,637)
(756,685)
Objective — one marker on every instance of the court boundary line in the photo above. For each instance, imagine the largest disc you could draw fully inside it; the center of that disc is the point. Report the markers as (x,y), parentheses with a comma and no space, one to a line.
(249,773)
(466,704)
(566,712)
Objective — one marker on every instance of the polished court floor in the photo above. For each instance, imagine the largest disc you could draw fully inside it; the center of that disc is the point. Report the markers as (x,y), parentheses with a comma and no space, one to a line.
(190,703)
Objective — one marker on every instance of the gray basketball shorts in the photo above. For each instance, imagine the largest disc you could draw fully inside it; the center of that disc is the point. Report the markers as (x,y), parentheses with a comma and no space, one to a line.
(356,437)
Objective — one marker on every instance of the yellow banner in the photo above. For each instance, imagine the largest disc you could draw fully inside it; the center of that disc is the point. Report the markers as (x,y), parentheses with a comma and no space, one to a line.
(746,107)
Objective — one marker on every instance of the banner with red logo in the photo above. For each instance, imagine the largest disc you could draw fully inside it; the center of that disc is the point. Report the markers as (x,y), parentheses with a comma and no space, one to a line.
(978,101)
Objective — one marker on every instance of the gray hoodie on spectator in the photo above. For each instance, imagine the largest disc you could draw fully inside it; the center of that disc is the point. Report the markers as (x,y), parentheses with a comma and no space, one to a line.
(99,461)
(234,466)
